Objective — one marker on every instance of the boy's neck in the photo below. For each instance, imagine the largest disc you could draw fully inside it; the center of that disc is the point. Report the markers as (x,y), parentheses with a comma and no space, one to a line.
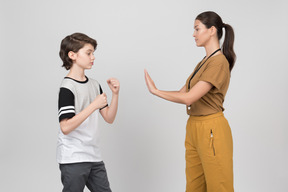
(77,74)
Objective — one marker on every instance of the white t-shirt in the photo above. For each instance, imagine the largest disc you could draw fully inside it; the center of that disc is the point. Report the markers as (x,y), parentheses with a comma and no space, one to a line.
(82,144)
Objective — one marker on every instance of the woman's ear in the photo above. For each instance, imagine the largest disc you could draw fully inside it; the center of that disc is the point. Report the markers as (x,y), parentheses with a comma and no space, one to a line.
(72,55)
(213,31)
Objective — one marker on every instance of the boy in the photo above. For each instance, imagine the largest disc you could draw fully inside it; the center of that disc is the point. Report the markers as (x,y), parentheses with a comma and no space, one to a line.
(80,100)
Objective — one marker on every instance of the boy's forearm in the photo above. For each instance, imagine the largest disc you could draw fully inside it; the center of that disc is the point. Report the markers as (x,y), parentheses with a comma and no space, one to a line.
(111,111)
(68,125)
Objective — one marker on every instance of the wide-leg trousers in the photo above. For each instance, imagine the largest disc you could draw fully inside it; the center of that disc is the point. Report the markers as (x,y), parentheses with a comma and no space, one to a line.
(209,154)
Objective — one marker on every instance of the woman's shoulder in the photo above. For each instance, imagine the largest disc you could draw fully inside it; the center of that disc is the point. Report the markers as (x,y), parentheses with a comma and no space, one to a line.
(218,61)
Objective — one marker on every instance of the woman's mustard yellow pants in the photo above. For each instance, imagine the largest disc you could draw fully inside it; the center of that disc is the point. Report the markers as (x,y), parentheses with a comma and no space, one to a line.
(209,154)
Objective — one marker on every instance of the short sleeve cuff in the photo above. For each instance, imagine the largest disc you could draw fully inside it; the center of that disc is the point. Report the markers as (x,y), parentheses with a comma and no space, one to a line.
(101,91)
(103,107)
(66,112)
(66,108)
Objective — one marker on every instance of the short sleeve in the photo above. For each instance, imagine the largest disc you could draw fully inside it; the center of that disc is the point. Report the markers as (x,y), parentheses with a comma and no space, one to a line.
(101,91)
(216,75)
(66,105)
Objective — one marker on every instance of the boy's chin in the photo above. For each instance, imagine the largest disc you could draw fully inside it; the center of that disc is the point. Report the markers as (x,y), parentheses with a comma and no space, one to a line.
(89,67)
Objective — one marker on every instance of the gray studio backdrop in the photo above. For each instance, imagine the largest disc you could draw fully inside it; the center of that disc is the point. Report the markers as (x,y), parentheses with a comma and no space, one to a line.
(144,148)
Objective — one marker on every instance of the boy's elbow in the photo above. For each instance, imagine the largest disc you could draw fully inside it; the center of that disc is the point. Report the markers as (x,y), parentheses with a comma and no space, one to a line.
(64,131)
(64,127)
(110,121)
(108,118)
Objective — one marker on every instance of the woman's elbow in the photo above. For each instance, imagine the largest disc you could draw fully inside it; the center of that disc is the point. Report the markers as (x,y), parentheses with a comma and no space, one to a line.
(187,102)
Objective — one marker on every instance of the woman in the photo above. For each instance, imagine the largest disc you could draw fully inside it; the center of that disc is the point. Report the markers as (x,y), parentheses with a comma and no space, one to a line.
(209,145)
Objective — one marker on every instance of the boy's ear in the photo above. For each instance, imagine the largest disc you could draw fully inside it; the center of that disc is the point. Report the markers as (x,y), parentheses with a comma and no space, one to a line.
(72,55)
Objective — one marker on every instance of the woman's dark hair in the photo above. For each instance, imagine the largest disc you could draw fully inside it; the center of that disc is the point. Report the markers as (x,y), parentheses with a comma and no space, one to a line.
(210,19)
(73,43)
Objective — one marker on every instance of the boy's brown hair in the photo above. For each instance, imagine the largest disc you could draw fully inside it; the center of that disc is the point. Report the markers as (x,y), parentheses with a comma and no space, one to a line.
(73,43)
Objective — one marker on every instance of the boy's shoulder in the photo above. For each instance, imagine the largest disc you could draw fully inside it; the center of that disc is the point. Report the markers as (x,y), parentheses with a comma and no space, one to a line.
(71,84)
(92,80)
(67,83)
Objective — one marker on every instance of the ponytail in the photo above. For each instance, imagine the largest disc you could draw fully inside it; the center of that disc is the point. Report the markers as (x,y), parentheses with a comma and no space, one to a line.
(209,19)
(227,46)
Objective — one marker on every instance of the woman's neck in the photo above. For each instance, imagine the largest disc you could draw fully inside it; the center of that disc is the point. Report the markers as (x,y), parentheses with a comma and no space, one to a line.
(213,46)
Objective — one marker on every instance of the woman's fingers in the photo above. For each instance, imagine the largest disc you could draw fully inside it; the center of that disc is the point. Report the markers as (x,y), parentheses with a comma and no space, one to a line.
(149,82)
(147,78)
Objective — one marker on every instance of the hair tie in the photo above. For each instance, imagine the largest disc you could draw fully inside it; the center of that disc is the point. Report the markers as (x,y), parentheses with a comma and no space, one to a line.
(223,25)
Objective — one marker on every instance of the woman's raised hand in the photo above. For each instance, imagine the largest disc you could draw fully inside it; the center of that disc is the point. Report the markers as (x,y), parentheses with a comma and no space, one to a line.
(150,83)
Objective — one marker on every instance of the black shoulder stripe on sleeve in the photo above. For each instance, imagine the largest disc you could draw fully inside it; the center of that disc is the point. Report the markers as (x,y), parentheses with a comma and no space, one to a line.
(66,105)
(101,91)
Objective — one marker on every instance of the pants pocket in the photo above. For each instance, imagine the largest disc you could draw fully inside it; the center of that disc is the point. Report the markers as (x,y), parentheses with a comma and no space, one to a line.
(212,142)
